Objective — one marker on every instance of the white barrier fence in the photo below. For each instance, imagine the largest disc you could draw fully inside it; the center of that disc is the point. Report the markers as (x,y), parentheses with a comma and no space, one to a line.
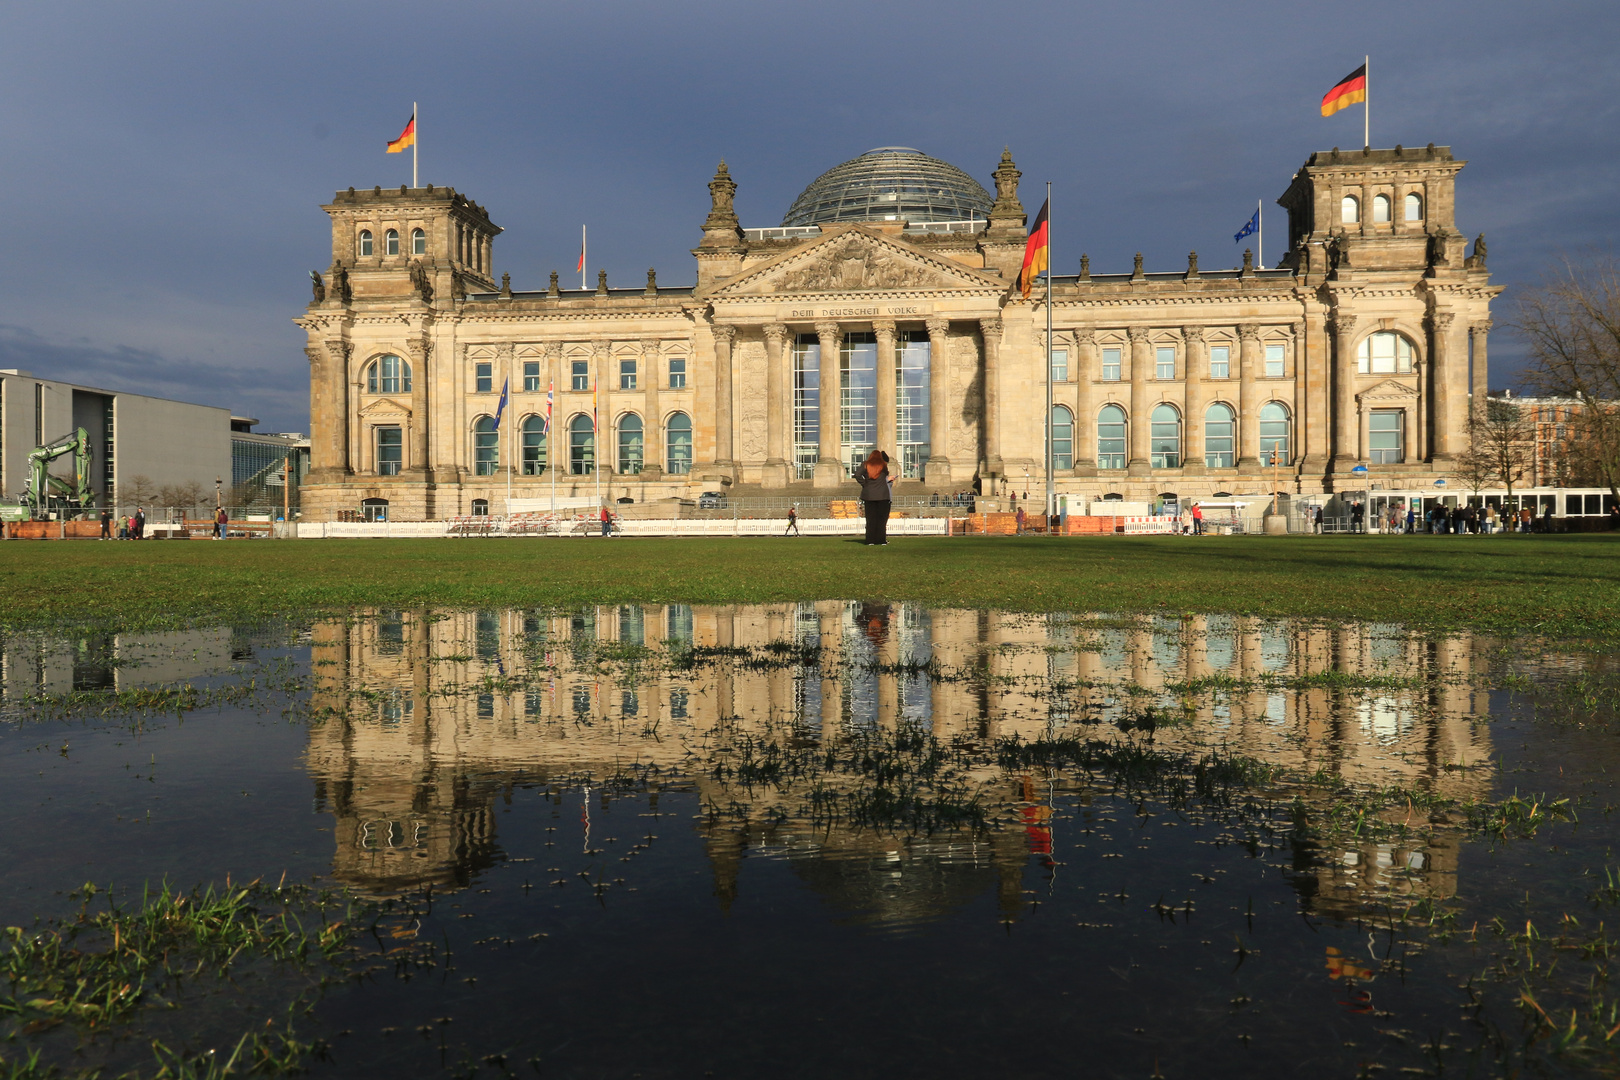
(332,530)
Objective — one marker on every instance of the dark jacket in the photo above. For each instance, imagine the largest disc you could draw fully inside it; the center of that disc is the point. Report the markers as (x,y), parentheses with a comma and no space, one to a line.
(873,489)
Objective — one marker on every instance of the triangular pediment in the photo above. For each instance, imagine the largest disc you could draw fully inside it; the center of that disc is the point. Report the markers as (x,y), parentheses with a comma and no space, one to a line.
(1388,390)
(385,407)
(853,259)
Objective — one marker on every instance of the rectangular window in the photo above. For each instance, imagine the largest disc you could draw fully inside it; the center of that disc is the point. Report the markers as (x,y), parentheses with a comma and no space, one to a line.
(806,405)
(627,373)
(484,377)
(1385,444)
(531,376)
(677,373)
(1274,361)
(1110,365)
(857,361)
(390,450)
(911,373)
(1164,365)
(1220,361)
(580,375)
(1060,365)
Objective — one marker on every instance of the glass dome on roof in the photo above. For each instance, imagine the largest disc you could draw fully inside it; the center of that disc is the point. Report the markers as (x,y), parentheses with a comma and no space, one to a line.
(890,183)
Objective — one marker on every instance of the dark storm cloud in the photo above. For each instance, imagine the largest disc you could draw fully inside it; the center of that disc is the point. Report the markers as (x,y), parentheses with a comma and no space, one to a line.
(165,162)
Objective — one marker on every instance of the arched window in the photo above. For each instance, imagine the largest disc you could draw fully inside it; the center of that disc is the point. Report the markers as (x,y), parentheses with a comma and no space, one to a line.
(1381,208)
(1414,206)
(581,446)
(1062,438)
(1349,210)
(678,442)
(534,445)
(418,242)
(1276,434)
(486,446)
(391,242)
(1384,353)
(365,241)
(630,444)
(1220,437)
(480,508)
(388,375)
(1111,438)
(374,509)
(1164,445)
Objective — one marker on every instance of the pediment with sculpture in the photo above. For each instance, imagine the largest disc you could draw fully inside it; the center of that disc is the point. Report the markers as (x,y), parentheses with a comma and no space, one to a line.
(385,408)
(1388,390)
(855,259)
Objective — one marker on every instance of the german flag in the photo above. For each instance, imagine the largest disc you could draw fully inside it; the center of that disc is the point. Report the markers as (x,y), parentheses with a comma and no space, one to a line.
(407,138)
(1351,90)
(1035,254)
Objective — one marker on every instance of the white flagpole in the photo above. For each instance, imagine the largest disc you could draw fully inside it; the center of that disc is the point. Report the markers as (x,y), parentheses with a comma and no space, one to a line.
(1051,492)
(1260,215)
(1366,101)
(416,128)
(583,261)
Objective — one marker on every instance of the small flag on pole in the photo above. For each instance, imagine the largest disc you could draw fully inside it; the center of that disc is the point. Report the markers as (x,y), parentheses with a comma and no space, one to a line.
(595,399)
(500,406)
(552,390)
(580,269)
(1250,229)
(407,138)
(1351,90)
(1036,253)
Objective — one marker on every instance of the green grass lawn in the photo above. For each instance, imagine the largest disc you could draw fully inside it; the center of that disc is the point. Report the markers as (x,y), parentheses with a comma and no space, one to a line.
(1558,586)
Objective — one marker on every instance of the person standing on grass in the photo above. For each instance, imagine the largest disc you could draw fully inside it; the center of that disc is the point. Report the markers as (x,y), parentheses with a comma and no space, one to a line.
(793,522)
(106,523)
(607,523)
(1018,516)
(1198,520)
(138,524)
(873,476)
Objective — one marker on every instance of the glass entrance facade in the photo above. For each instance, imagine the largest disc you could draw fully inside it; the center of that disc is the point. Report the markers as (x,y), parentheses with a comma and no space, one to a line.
(857,364)
(911,366)
(806,405)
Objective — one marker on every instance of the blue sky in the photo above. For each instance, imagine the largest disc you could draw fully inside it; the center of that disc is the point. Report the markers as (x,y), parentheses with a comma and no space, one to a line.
(164,163)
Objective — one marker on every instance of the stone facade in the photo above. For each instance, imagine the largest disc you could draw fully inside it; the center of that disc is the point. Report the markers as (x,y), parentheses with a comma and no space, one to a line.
(1366,347)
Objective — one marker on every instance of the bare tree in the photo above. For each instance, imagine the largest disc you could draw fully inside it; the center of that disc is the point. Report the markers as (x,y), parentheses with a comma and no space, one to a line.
(1572,325)
(1473,466)
(1501,447)
(138,490)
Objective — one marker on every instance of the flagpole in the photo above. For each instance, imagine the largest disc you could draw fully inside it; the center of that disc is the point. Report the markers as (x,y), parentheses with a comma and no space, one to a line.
(1260,215)
(583,262)
(551,450)
(416,122)
(1366,102)
(1050,489)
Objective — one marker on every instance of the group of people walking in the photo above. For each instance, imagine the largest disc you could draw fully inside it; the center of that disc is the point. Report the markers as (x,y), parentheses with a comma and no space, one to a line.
(1440,519)
(129,527)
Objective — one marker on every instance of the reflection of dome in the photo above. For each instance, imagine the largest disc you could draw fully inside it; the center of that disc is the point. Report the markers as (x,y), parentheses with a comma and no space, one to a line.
(888,184)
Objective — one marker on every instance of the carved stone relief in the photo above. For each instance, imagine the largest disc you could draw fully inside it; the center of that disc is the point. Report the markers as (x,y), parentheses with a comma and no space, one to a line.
(748,358)
(850,263)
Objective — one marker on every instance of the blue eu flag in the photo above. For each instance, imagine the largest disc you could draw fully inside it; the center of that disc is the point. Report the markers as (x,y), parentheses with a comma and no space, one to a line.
(1248,230)
(500,406)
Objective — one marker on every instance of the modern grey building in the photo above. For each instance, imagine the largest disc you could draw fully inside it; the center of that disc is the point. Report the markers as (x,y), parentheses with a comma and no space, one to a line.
(170,443)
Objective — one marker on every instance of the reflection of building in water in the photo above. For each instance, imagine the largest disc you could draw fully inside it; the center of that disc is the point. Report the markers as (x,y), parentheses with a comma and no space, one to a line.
(92,662)
(429,715)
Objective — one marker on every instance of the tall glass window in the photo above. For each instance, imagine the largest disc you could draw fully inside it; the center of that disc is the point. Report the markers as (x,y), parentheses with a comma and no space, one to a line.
(390,450)
(534,445)
(1164,362)
(806,404)
(1220,361)
(486,446)
(1414,207)
(1219,437)
(1060,365)
(630,444)
(365,241)
(627,373)
(418,242)
(678,437)
(1275,434)
(483,377)
(388,375)
(1164,445)
(1110,365)
(1381,207)
(391,239)
(1275,357)
(1111,437)
(531,376)
(1062,438)
(1349,210)
(677,373)
(581,446)
(580,374)
(857,364)
(1383,353)
(1384,430)
(911,400)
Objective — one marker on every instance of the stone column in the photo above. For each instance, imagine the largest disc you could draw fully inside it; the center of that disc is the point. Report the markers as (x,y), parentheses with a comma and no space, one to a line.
(829,465)
(1345,442)
(778,407)
(601,358)
(1085,420)
(1419,439)
(506,444)
(337,406)
(1137,464)
(723,338)
(652,427)
(938,471)
(417,345)
(1481,376)
(990,331)
(1196,367)
(1249,359)
(328,411)
(887,393)
(555,386)
(1450,388)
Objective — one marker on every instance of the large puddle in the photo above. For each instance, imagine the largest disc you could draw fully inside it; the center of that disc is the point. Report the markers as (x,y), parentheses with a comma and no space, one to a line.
(850,839)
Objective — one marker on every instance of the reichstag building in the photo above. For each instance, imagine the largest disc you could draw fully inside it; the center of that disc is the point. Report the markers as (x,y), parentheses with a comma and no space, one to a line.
(883,311)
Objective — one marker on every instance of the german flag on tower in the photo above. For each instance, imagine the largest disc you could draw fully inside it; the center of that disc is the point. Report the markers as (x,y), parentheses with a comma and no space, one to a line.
(407,138)
(1035,254)
(1351,90)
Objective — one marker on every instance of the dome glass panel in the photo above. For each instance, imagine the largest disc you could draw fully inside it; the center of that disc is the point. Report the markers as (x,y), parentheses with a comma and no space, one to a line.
(891,183)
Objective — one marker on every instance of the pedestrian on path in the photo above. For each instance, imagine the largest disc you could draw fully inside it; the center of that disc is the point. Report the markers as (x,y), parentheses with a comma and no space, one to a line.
(873,476)
(106,523)
(607,523)
(1198,520)
(793,522)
